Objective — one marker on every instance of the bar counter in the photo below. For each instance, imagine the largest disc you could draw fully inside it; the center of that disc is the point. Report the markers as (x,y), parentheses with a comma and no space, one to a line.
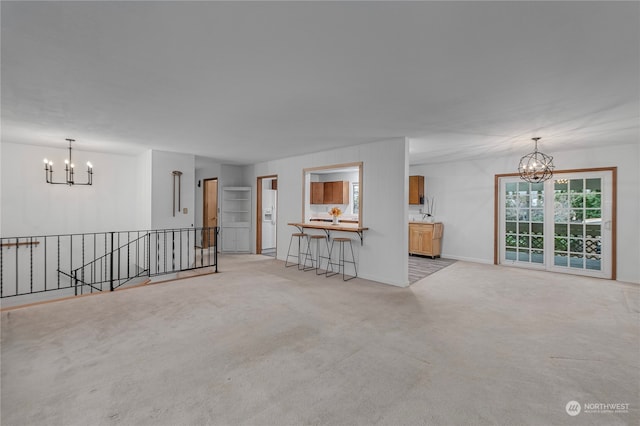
(328,227)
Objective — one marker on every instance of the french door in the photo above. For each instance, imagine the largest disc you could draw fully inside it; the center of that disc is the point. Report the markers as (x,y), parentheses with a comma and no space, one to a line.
(563,225)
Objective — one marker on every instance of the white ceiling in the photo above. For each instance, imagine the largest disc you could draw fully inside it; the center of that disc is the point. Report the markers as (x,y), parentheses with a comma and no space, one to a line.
(244,82)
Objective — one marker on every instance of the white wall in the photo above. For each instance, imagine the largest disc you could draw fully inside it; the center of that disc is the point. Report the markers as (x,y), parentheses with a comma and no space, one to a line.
(383,257)
(164,163)
(145,186)
(30,206)
(464,194)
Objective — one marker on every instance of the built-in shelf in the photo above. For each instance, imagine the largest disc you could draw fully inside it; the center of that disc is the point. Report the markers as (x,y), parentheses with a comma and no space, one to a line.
(236,219)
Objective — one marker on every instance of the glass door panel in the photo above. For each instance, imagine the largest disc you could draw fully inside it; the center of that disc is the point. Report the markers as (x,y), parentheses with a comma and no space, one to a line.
(579,222)
(572,234)
(523,230)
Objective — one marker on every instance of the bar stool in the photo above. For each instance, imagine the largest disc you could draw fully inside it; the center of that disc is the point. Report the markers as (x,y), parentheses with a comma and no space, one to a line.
(318,257)
(341,258)
(300,236)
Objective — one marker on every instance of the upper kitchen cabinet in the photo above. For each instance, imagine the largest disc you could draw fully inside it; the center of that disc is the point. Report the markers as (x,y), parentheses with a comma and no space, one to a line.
(416,189)
(336,192)
(317,192)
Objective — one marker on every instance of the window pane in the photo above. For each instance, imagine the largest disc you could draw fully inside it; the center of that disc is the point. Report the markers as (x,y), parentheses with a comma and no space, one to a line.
(560,216)
(561,229)
(591,214)
(594,264)
(523,215)
(537,215)
(575,186)
(511,227)
(511,187)
(523,201)
(537,228)
(577,215)
(537,256)
(577,201)
(510,254)
(592,246)
(537,242)
(575,245)
(561,244)
(523,187)
(593,185)
(511,214)
(561,201)
(593,201)
(592,231)
(510,240)
(560,259)
(576,261)
(523,242)
(523,228)
(576,230)
(523,255)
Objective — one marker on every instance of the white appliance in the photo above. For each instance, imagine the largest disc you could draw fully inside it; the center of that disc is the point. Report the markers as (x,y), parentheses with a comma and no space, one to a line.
(269,213)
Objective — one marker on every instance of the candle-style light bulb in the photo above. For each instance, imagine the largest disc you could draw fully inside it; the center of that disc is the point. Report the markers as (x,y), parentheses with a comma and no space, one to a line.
(66,161)
(72,166)
(46,161)
(89,164)
(51,163)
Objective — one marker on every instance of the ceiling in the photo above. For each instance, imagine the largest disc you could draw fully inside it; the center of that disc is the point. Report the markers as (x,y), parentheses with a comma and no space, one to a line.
(244,82)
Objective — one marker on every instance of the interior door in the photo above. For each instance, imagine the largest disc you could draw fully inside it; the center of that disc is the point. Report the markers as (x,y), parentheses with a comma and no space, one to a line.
(563,225)
(210,214)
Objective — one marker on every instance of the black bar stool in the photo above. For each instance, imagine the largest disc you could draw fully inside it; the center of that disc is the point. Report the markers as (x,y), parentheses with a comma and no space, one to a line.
(318,256)
(300,236)
(341,258)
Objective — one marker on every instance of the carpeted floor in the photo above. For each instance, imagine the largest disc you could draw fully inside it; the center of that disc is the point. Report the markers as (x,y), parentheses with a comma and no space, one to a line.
(261,344)
(421,267)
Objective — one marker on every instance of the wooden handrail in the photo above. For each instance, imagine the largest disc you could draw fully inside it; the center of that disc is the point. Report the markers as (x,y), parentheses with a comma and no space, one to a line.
(24,243)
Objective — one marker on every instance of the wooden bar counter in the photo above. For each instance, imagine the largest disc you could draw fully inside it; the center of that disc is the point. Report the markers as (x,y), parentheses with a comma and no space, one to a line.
(328,227)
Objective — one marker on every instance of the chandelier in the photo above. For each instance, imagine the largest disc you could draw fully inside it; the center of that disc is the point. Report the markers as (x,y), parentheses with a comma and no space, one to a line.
(536,166)
(68,171)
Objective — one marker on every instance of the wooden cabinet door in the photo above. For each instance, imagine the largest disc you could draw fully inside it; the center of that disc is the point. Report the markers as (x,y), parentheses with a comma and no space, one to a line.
(415,240)
(317,193)
(328,193)
(416,189)
(426,236)
(344,191)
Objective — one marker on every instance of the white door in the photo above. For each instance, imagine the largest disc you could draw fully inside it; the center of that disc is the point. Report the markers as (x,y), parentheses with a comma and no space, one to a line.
(562,225)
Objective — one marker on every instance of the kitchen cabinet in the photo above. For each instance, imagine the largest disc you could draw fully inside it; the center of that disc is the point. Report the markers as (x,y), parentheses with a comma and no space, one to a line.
(425,238)
(317,192)
(235,240)
(416,189)
(236,219)
(330,192)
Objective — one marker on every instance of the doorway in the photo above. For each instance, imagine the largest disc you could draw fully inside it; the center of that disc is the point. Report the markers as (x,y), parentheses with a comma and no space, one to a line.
(210,211)
(266,215)
(566,224)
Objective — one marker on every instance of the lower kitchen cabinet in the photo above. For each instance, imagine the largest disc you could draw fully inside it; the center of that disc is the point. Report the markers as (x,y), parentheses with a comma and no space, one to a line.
(235,239)
(425,238)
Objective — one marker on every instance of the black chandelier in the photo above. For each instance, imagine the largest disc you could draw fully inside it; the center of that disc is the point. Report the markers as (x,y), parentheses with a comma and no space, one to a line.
(68,171)
(536,166)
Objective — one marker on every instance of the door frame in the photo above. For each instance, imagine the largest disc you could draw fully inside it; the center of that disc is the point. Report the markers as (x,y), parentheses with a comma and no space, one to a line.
(259,212)
(204,203)
(614,210)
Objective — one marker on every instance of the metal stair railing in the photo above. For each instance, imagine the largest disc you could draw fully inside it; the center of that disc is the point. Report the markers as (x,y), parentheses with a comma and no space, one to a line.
(49,263)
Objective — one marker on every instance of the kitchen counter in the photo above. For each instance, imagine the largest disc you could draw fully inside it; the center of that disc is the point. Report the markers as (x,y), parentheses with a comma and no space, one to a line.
(328,227)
